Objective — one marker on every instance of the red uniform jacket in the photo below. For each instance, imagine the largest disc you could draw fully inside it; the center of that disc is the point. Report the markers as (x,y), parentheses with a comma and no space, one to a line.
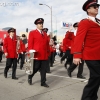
(72,44)
(39,43)
(22,47)
(9,47)
(67,41)
(64,45)
(54,48)
(48,37)
(61,48)
(50,49)
(87,41)
(48,46)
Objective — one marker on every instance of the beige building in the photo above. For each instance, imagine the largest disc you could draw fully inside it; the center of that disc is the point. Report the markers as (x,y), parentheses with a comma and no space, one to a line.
(60,38)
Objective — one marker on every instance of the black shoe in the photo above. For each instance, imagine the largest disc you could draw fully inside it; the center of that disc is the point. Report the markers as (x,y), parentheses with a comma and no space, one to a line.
(45,85)
(69,73)
(5,75)
(18,61)
(29,80)
(82,77)
(15,78)
(65,65)
(51,65)
(48,72)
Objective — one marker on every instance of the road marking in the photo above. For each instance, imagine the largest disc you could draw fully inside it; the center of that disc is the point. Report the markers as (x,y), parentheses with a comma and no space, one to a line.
(83,80)
(68,77)
(86,81)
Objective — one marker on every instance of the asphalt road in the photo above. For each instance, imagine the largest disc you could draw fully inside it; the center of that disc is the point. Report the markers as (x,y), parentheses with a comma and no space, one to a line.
(61,86)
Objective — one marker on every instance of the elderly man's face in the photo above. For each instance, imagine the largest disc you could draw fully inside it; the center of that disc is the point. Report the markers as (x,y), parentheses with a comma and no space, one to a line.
(93,10)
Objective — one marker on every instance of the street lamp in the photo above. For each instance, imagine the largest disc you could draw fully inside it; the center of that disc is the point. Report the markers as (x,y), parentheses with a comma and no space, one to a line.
(51,13)
(56,23)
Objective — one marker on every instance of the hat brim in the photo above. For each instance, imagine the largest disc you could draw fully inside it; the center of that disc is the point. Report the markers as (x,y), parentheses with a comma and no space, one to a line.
(45,30)
(75,24)
(23,36)
(39,23)
(11,31)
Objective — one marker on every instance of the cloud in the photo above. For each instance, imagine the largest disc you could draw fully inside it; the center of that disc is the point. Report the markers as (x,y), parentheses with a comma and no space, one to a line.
(22,16)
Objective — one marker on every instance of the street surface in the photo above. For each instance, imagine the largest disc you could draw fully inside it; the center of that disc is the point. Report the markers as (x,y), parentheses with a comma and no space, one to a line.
(61,86)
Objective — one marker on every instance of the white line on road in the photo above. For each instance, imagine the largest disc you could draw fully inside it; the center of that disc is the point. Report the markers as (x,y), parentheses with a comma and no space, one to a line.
(83,80)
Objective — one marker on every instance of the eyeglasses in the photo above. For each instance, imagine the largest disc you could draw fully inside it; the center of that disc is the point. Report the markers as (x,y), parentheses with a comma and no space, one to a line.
(95,6)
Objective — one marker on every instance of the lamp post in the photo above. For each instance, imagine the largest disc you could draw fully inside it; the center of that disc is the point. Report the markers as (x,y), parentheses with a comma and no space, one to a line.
(51,13)
(56,23)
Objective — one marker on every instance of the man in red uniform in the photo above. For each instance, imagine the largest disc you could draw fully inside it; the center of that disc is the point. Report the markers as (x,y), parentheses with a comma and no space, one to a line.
(73,66)
(22,50)
(67,48)
(51,56)
(61,49)
(87,47)
(48,67)
(1,49)
(38,41)
(10,52)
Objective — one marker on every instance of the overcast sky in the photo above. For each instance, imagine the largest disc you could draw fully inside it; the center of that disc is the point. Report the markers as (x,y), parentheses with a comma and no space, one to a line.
(21,14)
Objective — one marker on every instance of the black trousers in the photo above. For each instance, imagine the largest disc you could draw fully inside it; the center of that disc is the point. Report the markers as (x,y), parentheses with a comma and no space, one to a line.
(61,54)
(11,62)
(67,53)
(22,57)
(51,59)
(91,89)
(1,53)
(80,68)
(40,65)
(48,66)
(19,57)
(55,54)
(69,59)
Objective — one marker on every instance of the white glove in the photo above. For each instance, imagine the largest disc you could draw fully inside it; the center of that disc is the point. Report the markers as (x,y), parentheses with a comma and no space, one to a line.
(31,51)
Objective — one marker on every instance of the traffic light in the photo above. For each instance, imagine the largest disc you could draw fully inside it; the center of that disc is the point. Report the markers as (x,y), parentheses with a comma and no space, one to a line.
(26,29)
